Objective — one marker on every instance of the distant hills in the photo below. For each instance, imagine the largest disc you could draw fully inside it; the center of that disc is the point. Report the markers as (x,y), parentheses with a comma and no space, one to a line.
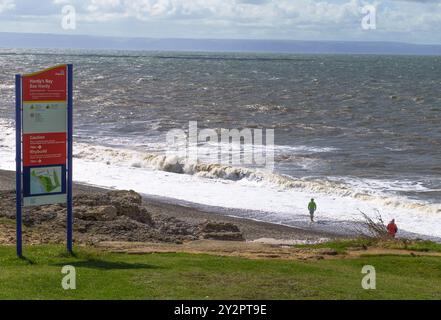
(29,40)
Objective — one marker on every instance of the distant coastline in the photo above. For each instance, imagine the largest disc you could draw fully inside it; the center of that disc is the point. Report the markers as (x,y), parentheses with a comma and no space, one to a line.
(69,41)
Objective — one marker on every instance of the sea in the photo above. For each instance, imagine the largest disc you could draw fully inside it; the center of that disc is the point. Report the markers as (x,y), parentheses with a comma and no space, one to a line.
(358,133)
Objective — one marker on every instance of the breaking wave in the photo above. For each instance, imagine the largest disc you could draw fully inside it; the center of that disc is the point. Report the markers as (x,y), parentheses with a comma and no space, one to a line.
(7,134)
(262,108)
(174,164)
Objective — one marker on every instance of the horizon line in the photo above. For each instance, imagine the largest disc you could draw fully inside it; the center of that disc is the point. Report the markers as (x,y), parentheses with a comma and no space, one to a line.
(219,39)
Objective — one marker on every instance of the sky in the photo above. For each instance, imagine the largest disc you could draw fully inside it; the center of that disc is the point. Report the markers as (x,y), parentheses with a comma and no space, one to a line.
(413,21)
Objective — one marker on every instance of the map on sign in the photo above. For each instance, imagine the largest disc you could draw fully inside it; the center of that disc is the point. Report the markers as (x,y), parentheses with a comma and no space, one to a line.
(45,180)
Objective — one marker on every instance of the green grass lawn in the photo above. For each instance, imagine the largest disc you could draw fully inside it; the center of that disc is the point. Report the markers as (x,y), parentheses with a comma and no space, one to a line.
(103,275)
(342,246)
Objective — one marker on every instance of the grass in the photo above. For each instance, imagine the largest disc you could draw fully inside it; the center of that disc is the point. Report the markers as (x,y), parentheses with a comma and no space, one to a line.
(421,246)
(341,246)
(102,275)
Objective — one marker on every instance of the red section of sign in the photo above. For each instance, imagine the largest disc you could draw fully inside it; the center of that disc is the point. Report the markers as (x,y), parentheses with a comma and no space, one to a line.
(44,149)
(47,85)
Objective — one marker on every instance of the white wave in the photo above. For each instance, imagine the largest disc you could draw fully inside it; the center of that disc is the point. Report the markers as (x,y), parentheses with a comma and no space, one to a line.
(144,79)
(98,77)
(356,189)
(7,86)
(308,149)
(264,108)
(7,134)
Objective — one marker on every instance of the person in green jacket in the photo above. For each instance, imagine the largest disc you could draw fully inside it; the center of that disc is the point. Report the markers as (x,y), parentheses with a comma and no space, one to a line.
(312,206)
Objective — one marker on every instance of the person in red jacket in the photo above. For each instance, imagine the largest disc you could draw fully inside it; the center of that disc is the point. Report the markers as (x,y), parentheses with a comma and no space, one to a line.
(392,228)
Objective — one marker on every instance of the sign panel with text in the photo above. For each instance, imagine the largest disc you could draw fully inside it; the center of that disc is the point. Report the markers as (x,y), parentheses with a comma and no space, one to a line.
(44,113)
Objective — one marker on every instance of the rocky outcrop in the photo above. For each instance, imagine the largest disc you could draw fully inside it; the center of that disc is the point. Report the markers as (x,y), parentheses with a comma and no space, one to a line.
(114,203)
(113,216)
(221,231)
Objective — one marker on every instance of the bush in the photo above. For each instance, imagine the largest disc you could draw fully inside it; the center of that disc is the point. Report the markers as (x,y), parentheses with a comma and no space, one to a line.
(373,228)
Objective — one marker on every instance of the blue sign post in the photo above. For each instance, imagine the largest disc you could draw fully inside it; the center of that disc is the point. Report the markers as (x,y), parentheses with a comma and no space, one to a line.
(44,143)
(18,161)
(69,157)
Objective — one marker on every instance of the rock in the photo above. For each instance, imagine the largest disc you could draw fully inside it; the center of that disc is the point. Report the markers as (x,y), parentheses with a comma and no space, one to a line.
(133,211)
(145,217)
(7,204)
(221,231)
(210,227)
(99,213)
(173,226)
(90,200)
(125,196)
(105,207)
(81,226)
(38,216)
(129,204)
(127,209)
(106,213)
(327,252)
(114,216)
(224,236)
(271,256)
(172,165)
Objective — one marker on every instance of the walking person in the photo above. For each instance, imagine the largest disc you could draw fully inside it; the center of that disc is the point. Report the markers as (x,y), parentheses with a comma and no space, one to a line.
(392,228)
(312,207)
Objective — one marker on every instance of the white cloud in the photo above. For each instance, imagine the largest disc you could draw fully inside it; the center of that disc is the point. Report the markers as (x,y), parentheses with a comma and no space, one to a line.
(278,19)
(6,5)
(315,14)
(99,5)
(411,16)
(278,12)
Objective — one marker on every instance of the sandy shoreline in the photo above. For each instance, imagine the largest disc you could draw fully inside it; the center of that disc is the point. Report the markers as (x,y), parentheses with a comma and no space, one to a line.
(252,230)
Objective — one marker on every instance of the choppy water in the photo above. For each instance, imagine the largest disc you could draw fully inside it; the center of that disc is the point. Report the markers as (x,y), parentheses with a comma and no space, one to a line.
(357,132)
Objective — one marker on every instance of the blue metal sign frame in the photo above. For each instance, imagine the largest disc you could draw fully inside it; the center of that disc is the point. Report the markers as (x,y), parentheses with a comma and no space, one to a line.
(69,157)
(19,162)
